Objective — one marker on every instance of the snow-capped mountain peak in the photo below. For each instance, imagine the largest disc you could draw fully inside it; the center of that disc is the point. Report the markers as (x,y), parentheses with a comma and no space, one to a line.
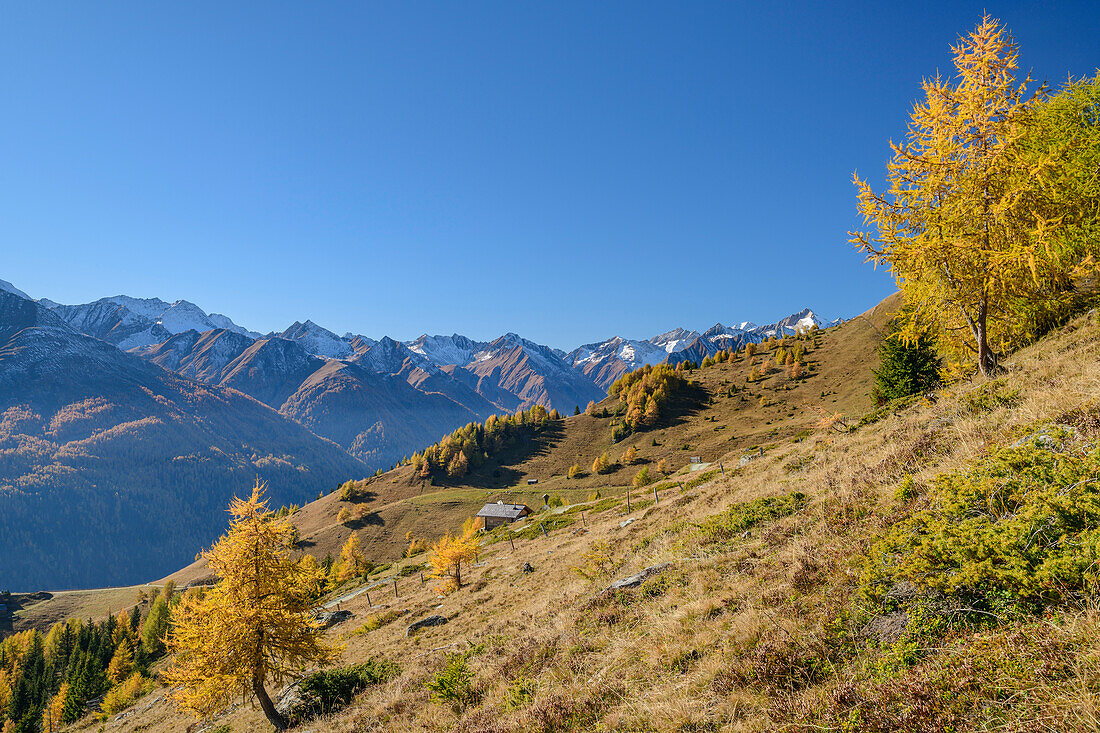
(669,341)
(317,340)
(388,356)
(446,350)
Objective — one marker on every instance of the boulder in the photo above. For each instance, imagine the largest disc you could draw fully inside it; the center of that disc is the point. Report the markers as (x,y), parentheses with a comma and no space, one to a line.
(637,579)
(328,619)
(289,701)
(527,568)
(433,620)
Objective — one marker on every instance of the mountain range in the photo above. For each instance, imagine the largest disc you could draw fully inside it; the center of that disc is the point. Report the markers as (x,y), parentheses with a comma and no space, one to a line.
(125,409)
(112,467)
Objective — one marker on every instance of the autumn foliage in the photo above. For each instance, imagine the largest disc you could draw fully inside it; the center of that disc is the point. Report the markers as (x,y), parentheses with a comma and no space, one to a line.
(254,626)
(645,392)
(451,552)
(983,226)
(471,445)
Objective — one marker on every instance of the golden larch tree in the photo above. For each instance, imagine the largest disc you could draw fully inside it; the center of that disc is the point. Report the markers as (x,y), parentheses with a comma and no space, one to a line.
(352,562)
(52,713)
(255,626)
(960,227)
(122,663)
(449,555)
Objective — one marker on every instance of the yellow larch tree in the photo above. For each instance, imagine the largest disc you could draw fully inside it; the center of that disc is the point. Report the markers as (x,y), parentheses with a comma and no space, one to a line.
(255,626)
(54,710)
(352,562)
(449,555)
(977,259)
(122,663)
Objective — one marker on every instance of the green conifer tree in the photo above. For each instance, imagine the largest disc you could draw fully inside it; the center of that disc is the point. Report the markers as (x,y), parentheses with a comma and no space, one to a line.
(906,367)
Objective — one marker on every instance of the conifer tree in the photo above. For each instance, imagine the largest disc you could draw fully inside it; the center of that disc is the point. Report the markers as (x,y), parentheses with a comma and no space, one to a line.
(450,553)
(254,626)
(458,466)
(352,562)
(962,227)
(905,367)
(122,663)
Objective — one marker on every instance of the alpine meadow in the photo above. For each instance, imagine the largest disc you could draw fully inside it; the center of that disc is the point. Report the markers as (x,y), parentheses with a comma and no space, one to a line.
(883,520)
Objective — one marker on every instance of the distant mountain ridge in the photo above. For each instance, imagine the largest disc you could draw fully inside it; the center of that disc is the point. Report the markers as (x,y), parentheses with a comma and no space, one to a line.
(138,322)
(478,378)
(606,361)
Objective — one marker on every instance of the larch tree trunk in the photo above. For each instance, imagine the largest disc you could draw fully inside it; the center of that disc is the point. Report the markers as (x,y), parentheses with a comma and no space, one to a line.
(276,718)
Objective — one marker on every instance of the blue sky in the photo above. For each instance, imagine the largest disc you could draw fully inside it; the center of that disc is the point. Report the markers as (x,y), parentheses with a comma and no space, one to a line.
(568,171)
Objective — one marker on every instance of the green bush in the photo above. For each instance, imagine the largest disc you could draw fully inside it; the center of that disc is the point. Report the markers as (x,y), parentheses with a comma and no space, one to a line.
(330,689)
(454,683)
(1023,523)
(989,396)
(520,693)
(728,526)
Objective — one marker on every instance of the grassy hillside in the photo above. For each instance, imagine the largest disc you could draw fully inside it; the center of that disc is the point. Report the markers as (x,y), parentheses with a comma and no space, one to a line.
(703,422)
(762,619)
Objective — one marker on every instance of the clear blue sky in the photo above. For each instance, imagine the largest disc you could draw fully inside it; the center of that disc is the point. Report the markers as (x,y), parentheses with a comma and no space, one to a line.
(569,171)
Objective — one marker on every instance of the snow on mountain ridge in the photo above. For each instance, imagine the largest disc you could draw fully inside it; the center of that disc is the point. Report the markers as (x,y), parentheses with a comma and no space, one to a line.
(446,350)
(317,340)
